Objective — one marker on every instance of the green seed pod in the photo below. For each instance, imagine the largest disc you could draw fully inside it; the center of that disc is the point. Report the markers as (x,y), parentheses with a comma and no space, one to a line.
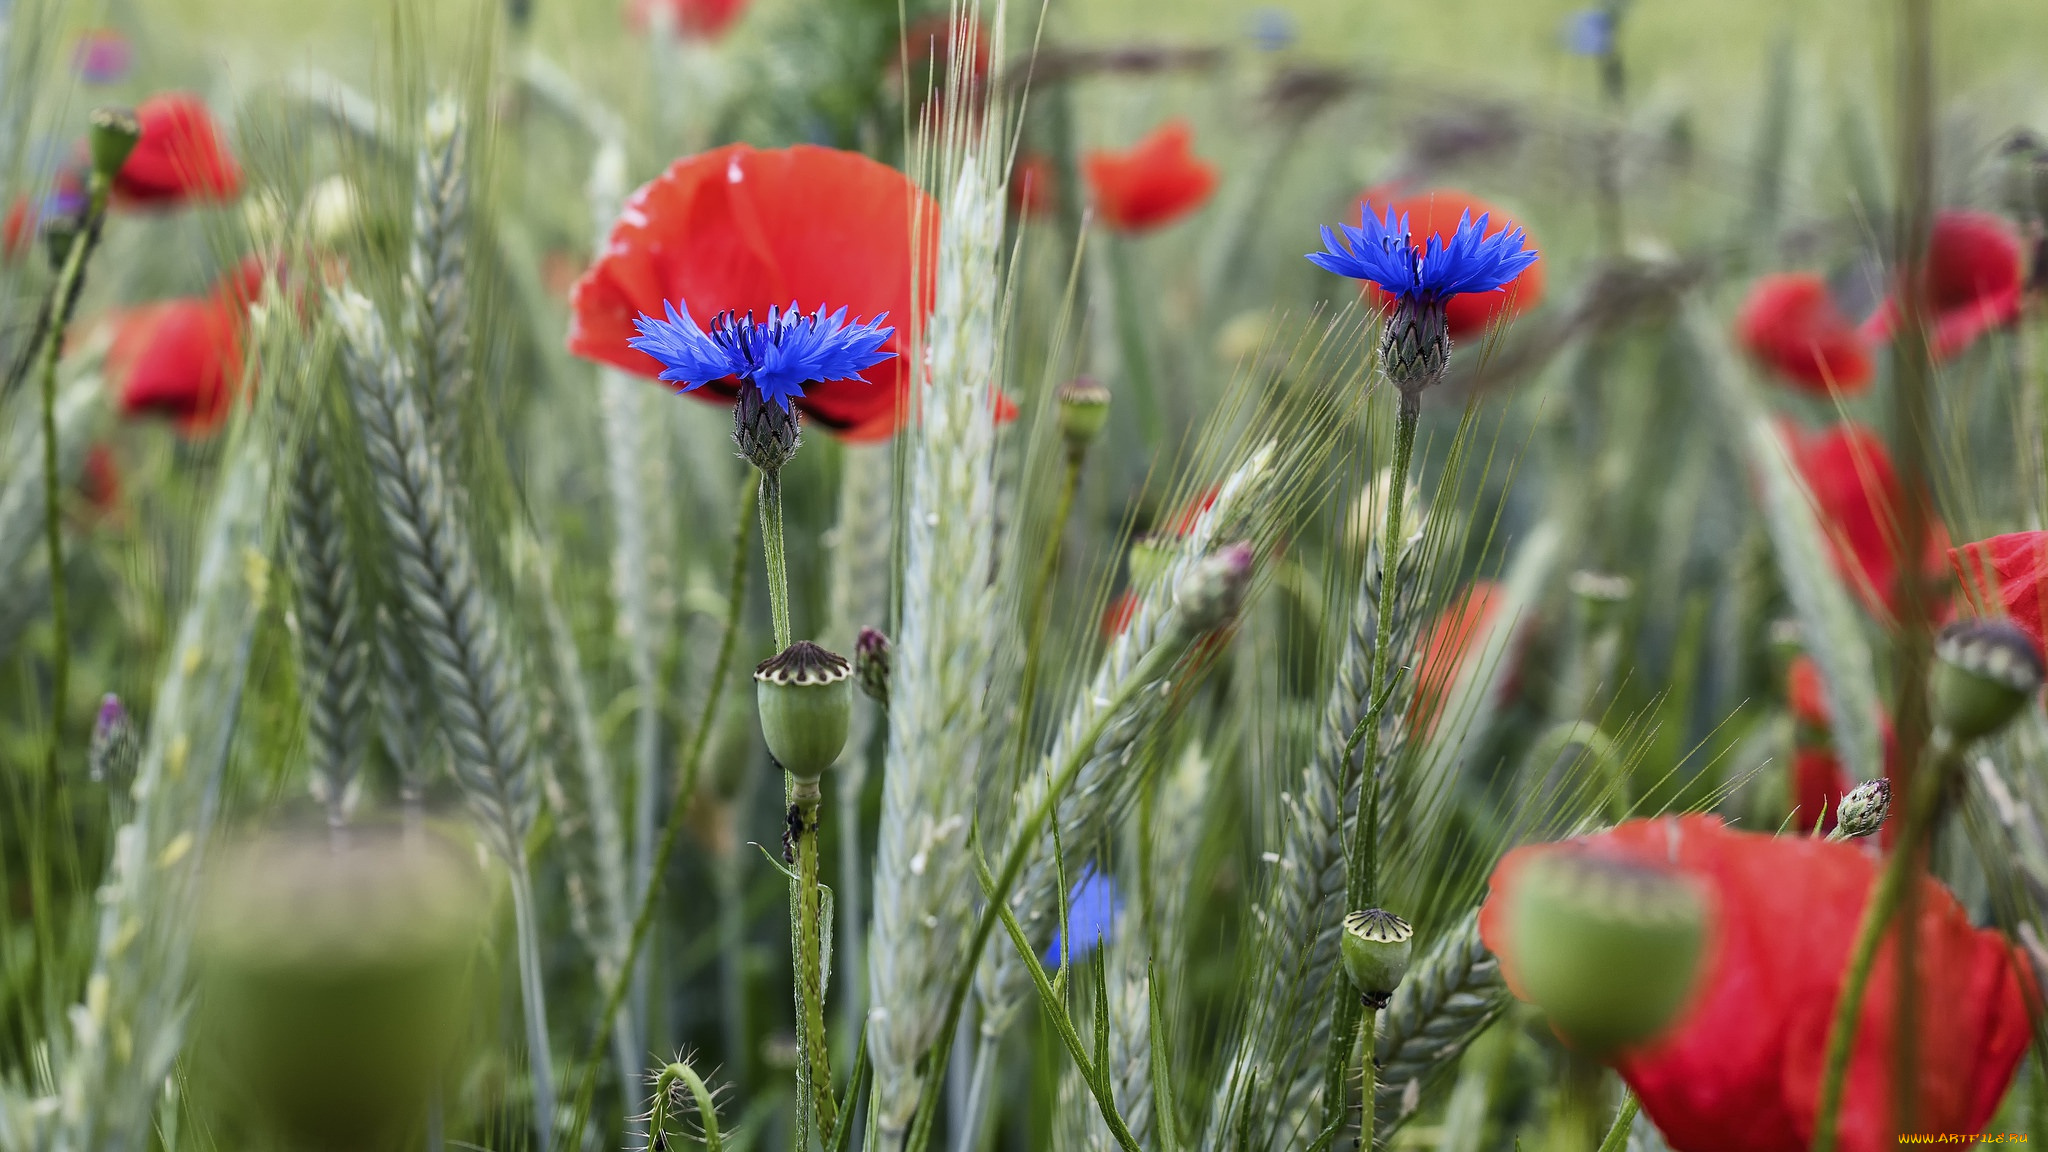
(112,136)
(334,972)
(1376,946)
(805,696)
(1864,810)
(1985,671)
(1084,409)
(1610,950)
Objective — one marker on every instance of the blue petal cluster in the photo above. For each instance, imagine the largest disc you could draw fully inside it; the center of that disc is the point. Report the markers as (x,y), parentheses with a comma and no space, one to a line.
(1092,909)
(1380,251)
(780,355)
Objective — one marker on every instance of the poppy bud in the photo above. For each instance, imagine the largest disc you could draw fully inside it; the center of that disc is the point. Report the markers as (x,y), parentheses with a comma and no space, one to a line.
(1415,346)
(805,697)
(60,228)
(2024,183)
(1984,673)
(768,434)
(334,972)
(1147,560)
(1210,595)
(113,134)
(1601,594)
(1376,946)
(1863,810)
(1084,409)
(871,664)
(1608,949)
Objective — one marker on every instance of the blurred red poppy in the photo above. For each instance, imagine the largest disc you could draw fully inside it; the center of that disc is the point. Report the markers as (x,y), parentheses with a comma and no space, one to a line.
(1151,184)
(183,358)
(1446,647)
(704,19)
(1807,693)
(1034,186)
(2008,575)
(18,232)
(1741,1067)
(743,228)
(179,158)
(100,480)
(1791,325)
(1974,282)
(1818,784)
(1436,213)
(1859,499)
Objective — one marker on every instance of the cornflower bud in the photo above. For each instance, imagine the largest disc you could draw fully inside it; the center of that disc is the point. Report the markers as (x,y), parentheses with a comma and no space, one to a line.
(1084,409)
(871,664)
(1863,810)
(111,137)
(805,697)
(1985,671)
(767,433)
(1610,950)
(1376,947)
(1210,595)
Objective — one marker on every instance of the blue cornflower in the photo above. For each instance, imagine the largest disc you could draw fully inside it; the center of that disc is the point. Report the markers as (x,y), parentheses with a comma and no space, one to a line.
(1589,32)
(1092,909)
(778,356)
(1380,251)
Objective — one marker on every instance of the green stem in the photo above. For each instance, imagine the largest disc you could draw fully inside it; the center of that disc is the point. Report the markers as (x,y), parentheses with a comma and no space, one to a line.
(707,1109)
(810,966)
(1617,1136)
(64,294)
(1132,351)
(1368,1075)
(1870,930)
(778,564)
(1361,882)
(735,599)
(533,991)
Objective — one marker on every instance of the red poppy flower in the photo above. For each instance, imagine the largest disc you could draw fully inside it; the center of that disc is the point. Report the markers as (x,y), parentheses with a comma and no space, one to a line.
(1859,499)
(1741,1068)
(1790,323)
(1034,186)
(743,228)
(1152,184)
(178,358)
(1447,646)
(1974,282)
(179,157)
(100,480)
(703,19)
(1436,213)
(2008,574)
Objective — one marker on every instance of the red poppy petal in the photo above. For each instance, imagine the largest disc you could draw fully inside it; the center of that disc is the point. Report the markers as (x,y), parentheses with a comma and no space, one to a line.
(1153,183)
(1436,213)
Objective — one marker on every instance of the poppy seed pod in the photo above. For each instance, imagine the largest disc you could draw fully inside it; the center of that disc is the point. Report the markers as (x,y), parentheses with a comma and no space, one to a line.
(805,697)
(871,664)
(1376,946)
(1984,673)
(113,134)
(1210,595)
(334,972)
(1864,810)
(1084,409)
(1609,949)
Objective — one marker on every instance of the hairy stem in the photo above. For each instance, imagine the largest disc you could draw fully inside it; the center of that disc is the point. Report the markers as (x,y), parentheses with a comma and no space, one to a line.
(771,549)
(810,966)
(707,1110)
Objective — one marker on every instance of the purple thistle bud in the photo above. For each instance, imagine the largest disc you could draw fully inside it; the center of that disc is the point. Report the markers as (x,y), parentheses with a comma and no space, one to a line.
(1210,595)
(114,751)
(871,664)
(102,56)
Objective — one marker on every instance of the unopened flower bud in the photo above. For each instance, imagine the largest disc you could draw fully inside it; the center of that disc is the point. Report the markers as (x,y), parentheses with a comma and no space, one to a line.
(333,971)
(1863,810)
(1985,671)
(112,137)
(1210,595)
(1376,946)
(1610,950)
(1415,346)
(805,697)
(60,228)
(871,664)
(1084,409)
(768,434)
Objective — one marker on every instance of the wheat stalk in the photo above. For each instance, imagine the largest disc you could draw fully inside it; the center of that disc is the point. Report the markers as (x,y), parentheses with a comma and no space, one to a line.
(436,285)
(923,886)
(333,670)
(457,628)
(1448,998)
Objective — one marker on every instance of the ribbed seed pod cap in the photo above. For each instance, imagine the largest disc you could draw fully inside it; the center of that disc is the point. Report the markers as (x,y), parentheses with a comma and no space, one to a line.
(1610,950)
(334,972)
(1864,809)
(1376,946)
(1985,671)
(1084,409)
(112,135)
(805,695)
